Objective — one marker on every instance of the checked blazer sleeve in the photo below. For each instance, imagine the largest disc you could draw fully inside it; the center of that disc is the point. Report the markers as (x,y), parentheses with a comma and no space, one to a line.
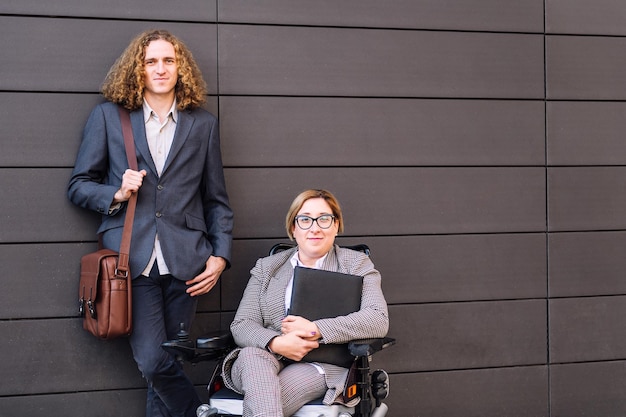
(262,307)
(372,320)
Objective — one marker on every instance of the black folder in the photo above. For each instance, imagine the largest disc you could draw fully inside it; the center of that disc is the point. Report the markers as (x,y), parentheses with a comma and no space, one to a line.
(319,294)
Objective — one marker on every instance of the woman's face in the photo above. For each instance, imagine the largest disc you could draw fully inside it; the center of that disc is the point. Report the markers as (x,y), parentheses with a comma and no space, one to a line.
(314,242)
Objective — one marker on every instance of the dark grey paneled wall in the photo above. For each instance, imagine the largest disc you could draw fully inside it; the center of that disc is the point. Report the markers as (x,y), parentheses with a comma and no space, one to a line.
(586,157)
(476,146)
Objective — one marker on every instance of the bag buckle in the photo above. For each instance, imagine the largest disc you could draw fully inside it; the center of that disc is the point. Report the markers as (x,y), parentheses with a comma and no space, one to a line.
(119,274)
(81,307)
(91,306)
(92,309)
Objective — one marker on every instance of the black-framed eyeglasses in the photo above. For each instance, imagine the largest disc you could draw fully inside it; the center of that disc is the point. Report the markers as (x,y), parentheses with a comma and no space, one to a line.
(306,222)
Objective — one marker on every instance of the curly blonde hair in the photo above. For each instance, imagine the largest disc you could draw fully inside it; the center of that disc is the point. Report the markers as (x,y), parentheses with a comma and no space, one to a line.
(124,83)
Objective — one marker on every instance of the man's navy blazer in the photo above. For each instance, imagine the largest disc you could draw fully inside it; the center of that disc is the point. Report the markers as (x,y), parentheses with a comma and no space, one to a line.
(187,205)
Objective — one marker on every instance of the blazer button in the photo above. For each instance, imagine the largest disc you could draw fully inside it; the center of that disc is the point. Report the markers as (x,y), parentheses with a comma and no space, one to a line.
(159,187)
(158,214)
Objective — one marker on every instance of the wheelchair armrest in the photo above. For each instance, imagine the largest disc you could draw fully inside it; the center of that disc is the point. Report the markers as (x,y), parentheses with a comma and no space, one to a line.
(367,347)
(214,345)
(185,351)
(216,340)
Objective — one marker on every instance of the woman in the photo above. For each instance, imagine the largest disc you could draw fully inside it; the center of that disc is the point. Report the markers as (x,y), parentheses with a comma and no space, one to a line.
(266,367)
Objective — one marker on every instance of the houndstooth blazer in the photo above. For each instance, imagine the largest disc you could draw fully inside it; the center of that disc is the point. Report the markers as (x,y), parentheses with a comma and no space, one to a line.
(262,307)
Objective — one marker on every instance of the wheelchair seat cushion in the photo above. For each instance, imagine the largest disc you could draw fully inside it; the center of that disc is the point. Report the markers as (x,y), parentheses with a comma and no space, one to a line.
(228,402)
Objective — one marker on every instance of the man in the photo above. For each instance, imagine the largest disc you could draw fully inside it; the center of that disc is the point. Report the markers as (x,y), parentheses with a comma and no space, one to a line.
(182,233)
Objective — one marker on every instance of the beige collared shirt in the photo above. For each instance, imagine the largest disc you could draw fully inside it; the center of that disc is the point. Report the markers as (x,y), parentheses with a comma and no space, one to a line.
(160,136)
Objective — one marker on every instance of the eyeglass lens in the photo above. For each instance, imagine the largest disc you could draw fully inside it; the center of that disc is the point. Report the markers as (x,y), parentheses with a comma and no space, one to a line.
(324,221)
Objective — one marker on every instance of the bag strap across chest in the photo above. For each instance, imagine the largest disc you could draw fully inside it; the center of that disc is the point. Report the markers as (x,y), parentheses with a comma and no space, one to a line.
(129,144)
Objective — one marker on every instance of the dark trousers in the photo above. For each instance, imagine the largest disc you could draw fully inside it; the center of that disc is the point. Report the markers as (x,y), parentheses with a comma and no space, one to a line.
(160,304)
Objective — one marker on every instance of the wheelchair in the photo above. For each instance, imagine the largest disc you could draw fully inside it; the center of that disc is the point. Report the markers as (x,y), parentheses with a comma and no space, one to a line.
(370,386)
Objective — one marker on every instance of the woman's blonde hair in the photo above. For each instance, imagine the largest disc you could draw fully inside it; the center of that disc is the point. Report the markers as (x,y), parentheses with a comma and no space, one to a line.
(299,201)
(125,84)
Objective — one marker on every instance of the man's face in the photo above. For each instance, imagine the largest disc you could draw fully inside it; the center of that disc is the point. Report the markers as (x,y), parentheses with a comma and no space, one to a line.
(161,70)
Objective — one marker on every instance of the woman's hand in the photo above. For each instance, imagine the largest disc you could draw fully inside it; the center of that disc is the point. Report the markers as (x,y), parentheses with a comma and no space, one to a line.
(299,337)
(293,345)
(297,323)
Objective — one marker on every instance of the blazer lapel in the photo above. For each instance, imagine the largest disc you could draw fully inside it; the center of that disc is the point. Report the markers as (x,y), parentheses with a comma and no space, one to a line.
(183,128)
(331,262)
(276,293)
(141,143)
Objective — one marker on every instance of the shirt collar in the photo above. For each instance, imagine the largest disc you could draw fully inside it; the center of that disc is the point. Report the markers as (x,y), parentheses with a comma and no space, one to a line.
(147,111)
(295,261)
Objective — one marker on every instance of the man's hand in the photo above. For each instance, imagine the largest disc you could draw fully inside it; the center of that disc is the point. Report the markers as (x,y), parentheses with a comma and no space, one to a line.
(131,181)
(204,282)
